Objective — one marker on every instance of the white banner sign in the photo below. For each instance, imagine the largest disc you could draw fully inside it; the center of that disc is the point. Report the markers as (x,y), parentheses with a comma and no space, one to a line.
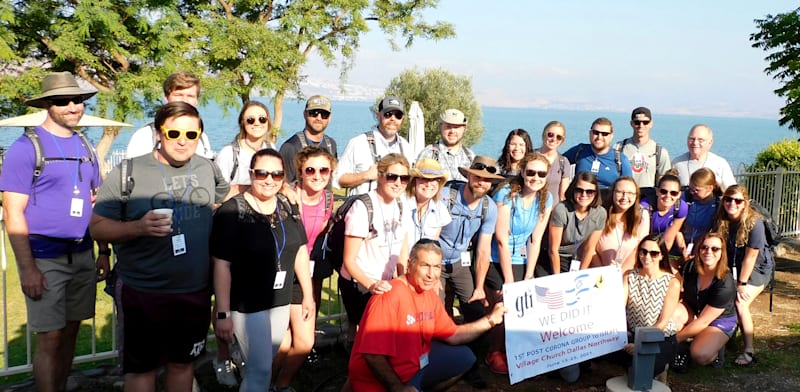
(563,319)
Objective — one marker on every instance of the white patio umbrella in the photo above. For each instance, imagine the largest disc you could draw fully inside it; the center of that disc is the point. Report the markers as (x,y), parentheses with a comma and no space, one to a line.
(416,129)
(34,119)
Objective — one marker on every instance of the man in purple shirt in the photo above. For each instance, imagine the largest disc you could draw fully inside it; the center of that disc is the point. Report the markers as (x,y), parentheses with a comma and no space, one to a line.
(47,216)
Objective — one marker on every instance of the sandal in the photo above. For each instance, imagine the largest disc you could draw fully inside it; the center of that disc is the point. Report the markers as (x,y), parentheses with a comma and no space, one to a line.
(720,359)
(746,359)
(680,363)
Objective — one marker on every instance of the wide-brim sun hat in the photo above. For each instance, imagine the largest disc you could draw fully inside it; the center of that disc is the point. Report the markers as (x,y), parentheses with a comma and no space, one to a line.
(482,166)
(59,84)
(428,168)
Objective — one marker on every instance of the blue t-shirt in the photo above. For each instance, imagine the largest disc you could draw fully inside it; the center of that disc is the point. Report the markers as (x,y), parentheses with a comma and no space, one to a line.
(607,171)
(455,237)
(522,222)
(699,220)
(660,223)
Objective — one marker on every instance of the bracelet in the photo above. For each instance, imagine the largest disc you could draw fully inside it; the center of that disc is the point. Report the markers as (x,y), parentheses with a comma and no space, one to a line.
(492,324)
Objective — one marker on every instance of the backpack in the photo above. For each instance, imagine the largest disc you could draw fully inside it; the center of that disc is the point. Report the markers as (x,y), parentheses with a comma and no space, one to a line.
(451,200)
(619,146)
(41,160)
(236,149)
(329,245)
(301,137)
(437,153)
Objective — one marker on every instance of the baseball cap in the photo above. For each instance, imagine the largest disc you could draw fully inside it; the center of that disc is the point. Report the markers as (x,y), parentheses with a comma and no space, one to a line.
(391,103)
(318,102)
(641,110)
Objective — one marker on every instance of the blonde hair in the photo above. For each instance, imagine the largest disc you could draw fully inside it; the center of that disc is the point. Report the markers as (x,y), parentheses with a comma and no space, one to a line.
(747,221)
(517,181)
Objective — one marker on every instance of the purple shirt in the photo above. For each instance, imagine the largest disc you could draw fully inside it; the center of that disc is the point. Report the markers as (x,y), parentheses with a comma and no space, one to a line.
(51,198)
(660,223)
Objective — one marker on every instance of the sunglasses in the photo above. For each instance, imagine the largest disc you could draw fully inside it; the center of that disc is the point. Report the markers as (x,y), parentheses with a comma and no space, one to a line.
(318,112)
(392,177)
(671,193)
(261,174)
(641,122)
(653,253)
(252,120)
(714,249)
(175,134)
(555,135)
(65,101)
(481,166)
(600,133)
(396,113)
(587,192)
(323,171)
(533,173)
(728,199)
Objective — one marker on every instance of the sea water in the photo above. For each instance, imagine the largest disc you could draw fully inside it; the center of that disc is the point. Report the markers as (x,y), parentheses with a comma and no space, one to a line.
(736,139)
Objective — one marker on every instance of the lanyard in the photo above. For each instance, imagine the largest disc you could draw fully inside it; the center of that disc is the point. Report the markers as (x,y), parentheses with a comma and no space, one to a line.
(283,235)
(78,160)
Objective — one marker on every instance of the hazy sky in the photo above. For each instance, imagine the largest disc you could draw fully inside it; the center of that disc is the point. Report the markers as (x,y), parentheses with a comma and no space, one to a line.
(681,57)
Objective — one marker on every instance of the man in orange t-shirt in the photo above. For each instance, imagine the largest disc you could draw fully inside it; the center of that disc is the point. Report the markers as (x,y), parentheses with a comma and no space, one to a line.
(406,339)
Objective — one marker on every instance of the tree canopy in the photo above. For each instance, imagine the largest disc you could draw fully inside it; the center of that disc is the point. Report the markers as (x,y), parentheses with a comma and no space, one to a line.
(437,90)
(779,36)
(126,48)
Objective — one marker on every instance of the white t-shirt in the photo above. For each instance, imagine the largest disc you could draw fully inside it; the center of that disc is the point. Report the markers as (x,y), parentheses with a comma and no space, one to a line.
(143,141)
(377,256)
(225,162)
(717,164)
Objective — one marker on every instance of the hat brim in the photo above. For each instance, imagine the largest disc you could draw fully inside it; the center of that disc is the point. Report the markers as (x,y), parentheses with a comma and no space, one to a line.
(41,101)
(415,173)
(392,108)
(480,173)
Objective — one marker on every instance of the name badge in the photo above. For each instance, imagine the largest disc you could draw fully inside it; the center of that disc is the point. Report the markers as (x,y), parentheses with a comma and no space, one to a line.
(689,248)
(595,166)
(178,244)
(280,279)
(311,264)
(76,207)
(423,360)
(574,265)
(523,250)
(466,260)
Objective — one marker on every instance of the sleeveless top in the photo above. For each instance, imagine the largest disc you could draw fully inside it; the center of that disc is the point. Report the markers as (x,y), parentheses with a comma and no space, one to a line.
(645,300)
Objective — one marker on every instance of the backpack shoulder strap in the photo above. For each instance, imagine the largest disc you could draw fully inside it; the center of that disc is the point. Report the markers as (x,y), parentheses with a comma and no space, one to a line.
(578,152)
(301,137)
(241,208)
(126,186)
(658,160)
(38,152)
(292,208)
(485,209)
(435,150)
(329,199)
(236,149)
(371,140)
(368,203)
(452,200)
(329,144)
(618,160)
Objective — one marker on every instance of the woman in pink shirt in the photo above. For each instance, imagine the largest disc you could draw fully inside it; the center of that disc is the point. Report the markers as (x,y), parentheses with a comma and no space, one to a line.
(626,225)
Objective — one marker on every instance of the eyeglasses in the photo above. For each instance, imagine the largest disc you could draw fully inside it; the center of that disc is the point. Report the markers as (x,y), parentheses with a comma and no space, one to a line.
(175,134)
(392,177)
(666,191)
(714,249)
(532,173)
(600,133)
(261,174)
(728,199)
(641,122)
(555,135)
(653,253)
(481,166)
(323,171)
(697,140)
(252,120)
(625,194)
(396,113)
(587,192)
(65,101)
(319,112)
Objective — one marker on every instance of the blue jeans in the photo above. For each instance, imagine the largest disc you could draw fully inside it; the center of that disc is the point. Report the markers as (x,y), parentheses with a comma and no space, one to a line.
(445,362)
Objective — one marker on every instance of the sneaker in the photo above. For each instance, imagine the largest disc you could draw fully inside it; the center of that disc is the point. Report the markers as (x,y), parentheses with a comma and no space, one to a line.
(224,372)
(473,378)
(497,362)
(681,363)
(720,359)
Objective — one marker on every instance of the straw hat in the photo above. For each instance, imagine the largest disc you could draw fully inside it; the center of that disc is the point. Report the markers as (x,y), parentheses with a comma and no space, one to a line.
(428,168)
(59,84)
(482,166)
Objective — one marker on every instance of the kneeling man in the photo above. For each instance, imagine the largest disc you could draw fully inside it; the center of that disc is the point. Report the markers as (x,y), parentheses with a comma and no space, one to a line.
(406,339)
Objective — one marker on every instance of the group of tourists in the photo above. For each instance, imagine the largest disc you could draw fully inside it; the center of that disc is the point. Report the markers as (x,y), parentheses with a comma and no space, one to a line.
(247,227)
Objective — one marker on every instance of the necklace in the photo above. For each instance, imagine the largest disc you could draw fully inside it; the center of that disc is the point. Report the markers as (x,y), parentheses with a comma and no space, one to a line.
(247,142)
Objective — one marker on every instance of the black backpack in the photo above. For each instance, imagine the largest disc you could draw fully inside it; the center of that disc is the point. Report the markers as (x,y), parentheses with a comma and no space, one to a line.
(329,245)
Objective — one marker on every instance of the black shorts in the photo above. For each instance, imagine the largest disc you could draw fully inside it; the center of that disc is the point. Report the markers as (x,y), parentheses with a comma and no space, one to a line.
(354,298)
(494,278)
(163,328)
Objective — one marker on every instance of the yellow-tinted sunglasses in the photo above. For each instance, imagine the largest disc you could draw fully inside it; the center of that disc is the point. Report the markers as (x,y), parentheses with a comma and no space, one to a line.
(175,134)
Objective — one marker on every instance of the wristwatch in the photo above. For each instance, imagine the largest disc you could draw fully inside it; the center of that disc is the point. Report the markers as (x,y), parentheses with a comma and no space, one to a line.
(223,315)
(742,283)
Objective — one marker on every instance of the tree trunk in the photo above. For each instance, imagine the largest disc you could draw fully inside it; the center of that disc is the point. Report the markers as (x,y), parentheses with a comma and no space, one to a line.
(104,145)
(277,117)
